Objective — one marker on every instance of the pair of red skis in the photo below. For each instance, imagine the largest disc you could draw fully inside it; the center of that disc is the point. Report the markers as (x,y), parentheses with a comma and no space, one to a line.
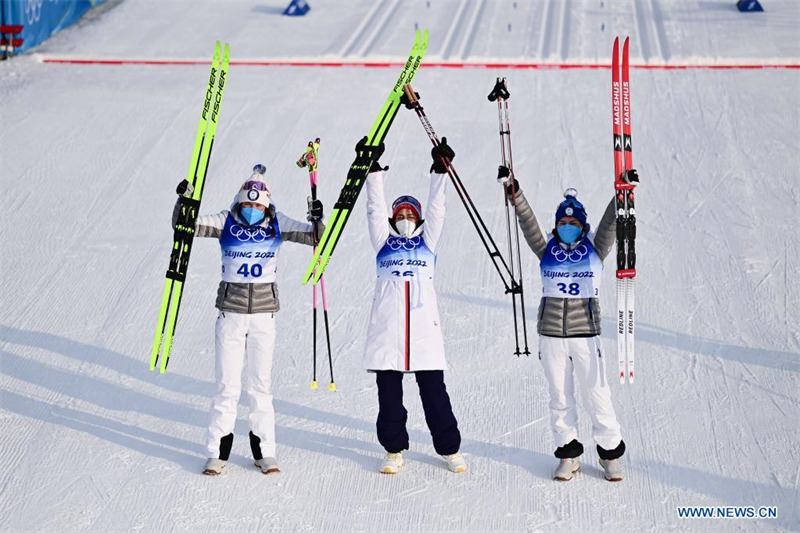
(625,179)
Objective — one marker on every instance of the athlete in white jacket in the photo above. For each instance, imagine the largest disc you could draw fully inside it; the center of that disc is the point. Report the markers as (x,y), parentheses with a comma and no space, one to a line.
(404,333)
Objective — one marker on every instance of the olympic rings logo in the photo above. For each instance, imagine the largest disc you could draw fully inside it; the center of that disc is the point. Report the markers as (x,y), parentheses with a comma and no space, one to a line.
(256,234)
(33,10)
(574,256)
(395,243)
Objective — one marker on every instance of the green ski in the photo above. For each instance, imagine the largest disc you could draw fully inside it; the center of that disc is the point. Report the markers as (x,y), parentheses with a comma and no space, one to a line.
(189,205)
(360,168)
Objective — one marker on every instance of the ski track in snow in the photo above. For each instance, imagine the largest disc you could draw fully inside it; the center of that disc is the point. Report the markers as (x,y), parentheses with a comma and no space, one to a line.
(93,441)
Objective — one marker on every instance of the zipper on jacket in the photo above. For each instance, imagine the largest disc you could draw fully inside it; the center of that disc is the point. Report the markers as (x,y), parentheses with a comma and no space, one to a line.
(564,327)
(408,325)
(249,298)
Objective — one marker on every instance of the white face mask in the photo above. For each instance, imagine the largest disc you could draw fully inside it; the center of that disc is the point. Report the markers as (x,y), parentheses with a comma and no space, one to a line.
(405,227)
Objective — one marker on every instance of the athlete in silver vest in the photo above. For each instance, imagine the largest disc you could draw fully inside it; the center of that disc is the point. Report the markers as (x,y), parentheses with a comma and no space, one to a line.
(250,235)
(571,263)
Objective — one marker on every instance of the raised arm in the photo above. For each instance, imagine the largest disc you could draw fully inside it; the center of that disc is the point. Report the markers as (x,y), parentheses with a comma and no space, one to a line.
(434,216)
(529,225)
(442,155)
(206,225)
(605,233)
(296,231)
(377,211)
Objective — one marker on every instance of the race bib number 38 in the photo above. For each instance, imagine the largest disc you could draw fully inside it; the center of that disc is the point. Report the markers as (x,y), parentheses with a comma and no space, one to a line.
(571,273)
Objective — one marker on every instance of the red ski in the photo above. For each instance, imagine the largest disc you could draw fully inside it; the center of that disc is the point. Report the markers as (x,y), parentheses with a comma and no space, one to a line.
(625,179)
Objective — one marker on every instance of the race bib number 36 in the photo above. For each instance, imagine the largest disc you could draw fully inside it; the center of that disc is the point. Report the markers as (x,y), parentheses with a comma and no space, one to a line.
(403,258)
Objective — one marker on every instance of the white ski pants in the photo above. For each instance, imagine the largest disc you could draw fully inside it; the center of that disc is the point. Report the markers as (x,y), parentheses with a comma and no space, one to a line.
(241,337)
(581,357)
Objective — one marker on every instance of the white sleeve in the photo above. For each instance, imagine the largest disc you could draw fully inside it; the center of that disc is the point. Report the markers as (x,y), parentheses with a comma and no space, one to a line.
(295,230)
(210,225)
(434,216)
(377,211)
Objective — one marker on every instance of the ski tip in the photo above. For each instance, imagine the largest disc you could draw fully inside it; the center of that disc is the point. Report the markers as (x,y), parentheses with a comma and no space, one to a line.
(622,377)
(332,387)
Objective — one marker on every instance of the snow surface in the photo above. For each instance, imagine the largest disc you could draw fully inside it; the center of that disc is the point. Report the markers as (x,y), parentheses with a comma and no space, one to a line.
(89,157)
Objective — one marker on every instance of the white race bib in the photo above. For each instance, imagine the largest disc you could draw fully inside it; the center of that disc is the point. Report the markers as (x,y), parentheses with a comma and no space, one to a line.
(402,259)
(571,273)
(250,253)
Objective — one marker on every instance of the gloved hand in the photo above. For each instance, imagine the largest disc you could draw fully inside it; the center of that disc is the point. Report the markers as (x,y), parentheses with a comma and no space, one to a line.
(511,187)
(314,210)
(443,150)
(371,152)
(185,189)
(503,173)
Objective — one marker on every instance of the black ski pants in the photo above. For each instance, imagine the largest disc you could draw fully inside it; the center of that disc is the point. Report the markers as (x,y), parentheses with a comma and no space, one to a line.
(392,415)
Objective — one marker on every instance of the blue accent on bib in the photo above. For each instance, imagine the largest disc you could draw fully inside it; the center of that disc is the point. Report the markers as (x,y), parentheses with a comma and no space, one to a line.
(250,253)
(403,259)
(571,273)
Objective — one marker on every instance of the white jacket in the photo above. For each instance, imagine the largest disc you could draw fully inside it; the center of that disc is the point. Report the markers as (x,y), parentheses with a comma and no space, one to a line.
(404,330)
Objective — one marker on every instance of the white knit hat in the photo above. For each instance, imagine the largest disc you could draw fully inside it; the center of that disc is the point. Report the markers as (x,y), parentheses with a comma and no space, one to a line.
(255,190)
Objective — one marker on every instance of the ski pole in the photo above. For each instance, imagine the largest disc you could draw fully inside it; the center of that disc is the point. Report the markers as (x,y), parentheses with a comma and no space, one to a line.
(310,160)
(411,101)
(501,94)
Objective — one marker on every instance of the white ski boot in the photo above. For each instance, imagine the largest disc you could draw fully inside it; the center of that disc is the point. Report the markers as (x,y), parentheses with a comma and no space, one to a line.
(566,469)
(612,470)
(455,463)
(214,467)
(393,463)
(268,465)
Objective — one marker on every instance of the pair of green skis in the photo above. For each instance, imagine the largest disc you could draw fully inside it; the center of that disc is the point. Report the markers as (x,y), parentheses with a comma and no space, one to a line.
(190,199)
(189,206)
(359,170)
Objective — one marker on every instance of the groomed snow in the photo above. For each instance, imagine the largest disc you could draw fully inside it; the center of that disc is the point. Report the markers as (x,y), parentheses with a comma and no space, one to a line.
(89,158)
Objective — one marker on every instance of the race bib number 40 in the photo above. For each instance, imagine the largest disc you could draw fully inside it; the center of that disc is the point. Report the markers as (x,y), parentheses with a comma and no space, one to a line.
(572,273)
(249,253)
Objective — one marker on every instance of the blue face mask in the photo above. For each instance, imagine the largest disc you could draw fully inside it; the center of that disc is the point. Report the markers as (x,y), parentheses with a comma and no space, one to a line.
(252,215)
(568,233)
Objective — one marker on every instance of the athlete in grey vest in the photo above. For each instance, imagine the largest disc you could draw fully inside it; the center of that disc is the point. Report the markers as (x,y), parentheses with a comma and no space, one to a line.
(571,263)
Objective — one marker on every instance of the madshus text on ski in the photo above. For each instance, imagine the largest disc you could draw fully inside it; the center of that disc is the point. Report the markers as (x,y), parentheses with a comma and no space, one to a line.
(404,335)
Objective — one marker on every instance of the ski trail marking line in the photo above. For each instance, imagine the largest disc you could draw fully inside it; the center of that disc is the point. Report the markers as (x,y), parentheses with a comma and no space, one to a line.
(469,34)
(523,426)
(451,32)
(347,49)
(733,65)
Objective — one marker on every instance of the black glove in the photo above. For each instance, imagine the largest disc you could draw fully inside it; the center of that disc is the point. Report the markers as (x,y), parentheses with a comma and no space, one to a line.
(314,210)
(370,152)
(442,151)
(511,187)
(503,173)
(185,189)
